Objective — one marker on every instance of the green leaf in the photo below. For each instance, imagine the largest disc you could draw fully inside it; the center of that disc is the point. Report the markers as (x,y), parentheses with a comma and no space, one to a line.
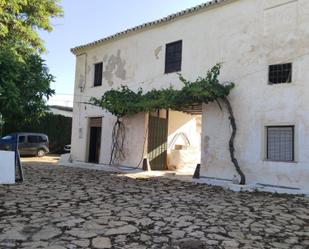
(124,101)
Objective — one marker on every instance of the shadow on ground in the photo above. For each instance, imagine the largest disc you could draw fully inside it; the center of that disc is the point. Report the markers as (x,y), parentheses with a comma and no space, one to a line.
(46,160)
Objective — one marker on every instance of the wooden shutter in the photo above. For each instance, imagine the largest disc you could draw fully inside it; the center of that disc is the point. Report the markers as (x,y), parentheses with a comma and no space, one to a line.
(98,73)
(173,57)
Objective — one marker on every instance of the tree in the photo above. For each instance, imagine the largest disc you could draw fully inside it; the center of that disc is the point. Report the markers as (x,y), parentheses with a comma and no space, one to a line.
(57,127)
(20,20)
(24,88)
(24,78)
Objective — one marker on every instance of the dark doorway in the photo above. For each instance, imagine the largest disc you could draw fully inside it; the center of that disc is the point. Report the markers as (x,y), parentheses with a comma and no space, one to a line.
(157,139)
(95,140)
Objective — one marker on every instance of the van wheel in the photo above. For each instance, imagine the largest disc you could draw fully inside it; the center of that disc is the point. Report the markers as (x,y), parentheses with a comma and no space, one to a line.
(41,153)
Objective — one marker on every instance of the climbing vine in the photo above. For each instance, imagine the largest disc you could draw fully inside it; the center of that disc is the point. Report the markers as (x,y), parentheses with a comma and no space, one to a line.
(123,101)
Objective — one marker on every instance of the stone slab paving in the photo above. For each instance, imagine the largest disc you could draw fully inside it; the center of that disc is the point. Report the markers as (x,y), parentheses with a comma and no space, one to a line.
(59,208)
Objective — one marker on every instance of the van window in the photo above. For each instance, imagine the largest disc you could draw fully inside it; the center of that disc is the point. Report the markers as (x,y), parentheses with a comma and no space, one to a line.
(42,139)
(21,139)
(33,139)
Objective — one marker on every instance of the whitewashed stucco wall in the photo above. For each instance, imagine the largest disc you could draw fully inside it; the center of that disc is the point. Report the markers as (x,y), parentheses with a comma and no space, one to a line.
(180,122)
(273,32)
(134,142)
(135,139)
(246,36)
(137,61)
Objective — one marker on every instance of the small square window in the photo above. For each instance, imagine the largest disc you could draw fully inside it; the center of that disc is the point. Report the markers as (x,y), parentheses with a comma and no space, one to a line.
(173,57)
(280,73)
(98,73)
(280,143)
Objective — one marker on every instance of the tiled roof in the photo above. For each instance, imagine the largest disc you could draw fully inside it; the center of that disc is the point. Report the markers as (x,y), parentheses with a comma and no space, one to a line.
(149,24)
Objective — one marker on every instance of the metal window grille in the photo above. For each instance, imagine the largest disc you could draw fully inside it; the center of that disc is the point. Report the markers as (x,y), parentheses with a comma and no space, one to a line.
(98,72)
(281,73)
(173,57)
(280,143)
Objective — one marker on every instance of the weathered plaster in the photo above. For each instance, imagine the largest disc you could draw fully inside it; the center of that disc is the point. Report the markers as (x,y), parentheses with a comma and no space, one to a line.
(115,67)
(157,52)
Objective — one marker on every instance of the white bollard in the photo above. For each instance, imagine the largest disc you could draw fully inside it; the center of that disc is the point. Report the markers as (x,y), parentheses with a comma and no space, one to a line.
(7,167)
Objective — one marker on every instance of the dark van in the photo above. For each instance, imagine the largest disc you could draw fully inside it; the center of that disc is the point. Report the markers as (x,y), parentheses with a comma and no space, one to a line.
(29,144)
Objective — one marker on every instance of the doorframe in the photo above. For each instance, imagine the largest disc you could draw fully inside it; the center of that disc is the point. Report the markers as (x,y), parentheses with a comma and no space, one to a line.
(88,136)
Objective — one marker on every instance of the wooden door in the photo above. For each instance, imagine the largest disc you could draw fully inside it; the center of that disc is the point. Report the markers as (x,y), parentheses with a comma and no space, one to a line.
(157,139)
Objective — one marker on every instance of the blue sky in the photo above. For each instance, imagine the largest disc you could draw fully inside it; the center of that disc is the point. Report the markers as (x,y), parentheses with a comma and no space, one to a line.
(88,20)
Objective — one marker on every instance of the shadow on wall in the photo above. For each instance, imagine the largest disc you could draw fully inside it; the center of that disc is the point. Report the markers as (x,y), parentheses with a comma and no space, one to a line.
(184,142)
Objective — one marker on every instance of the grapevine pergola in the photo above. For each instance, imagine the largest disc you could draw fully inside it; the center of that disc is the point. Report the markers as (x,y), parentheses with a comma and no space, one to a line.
(123,102)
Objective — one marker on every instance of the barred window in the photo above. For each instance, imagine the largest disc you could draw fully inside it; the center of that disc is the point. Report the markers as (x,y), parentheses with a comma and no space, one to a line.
(173,55)
(281,73)
(280,143)
(98,72)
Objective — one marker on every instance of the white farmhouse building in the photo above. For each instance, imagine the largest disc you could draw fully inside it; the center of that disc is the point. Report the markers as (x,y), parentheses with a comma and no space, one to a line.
(264,48)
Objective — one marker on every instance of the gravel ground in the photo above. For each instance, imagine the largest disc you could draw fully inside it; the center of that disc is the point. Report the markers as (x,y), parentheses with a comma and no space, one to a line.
(58,207)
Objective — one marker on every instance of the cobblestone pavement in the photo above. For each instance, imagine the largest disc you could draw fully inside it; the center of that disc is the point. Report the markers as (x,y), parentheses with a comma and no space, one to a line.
(59,207)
